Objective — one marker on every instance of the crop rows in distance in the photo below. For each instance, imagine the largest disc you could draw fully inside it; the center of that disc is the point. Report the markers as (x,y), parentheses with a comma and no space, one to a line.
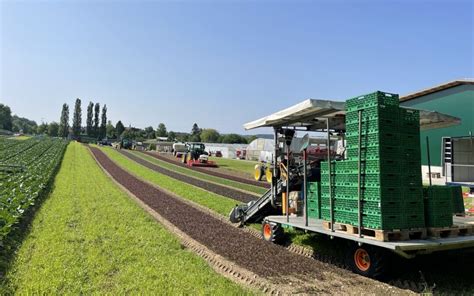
(26,168)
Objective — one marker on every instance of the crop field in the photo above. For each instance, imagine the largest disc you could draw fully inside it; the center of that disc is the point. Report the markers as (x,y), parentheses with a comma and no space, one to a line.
(88,222)
(244,167)
(26,169)
(103,243)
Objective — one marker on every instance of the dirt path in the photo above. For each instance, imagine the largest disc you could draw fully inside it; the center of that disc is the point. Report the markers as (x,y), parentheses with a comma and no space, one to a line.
(210,171)
(218,189)
(269,261)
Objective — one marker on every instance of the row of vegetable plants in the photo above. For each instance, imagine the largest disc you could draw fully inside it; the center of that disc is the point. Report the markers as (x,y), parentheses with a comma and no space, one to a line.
(36,166)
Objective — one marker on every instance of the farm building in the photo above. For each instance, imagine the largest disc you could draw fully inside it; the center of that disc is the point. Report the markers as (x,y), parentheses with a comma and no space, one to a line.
(451,149)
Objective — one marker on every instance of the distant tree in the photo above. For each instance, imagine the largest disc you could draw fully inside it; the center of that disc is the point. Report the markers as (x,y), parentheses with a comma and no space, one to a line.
(77,119)
(209,135)
(103,123)
(149,132)
(119,128)
(90,120)
(110,130)
(64,122)
(195,134)
(42,128)
(232,139)
(182,137)
(171,136)
(5,117)
(96,119)
(21,124)
(161,130)
(53,129)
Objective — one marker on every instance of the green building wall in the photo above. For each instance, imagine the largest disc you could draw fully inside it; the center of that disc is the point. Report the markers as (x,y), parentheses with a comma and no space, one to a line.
(456,101)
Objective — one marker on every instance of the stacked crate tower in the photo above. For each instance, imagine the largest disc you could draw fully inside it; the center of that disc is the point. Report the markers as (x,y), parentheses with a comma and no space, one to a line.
(390,174)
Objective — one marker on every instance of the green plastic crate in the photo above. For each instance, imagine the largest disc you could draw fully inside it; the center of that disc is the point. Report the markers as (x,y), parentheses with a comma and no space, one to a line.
(409,120)
(376,152)
(372,139)
(458,200)
(373,99)
(379,113)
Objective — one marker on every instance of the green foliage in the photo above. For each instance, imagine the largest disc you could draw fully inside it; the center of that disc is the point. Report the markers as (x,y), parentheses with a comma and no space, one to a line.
(53,129)
(161,130)
(27,167)
(5,117)
(103,123)
(42,129)
(171,136)
(90,238)
(149,132)
(24,125)
(77,119)
(90,120)
(96,119)
(195,134)
(111,134)
(64,122)
(209,135)
(232,139)
(119,128)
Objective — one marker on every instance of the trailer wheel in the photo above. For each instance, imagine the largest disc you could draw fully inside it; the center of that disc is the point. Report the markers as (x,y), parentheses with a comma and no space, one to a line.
(272,232)
(368,261)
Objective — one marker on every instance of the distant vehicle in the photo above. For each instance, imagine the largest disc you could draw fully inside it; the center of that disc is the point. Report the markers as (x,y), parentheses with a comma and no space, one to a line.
(218,153)
(196,155)
(179,149)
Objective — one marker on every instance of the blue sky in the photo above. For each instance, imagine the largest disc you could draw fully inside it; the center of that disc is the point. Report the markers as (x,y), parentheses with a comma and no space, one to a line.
(223,63)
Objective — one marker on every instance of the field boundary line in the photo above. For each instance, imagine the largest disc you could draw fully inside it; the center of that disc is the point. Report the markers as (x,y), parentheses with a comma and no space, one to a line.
(218,263)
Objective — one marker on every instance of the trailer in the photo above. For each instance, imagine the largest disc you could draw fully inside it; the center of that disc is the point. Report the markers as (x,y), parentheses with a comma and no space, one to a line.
(368,247)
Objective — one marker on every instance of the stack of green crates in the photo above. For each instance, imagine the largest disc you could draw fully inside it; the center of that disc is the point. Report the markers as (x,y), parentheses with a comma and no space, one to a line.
(439,206)
(458,201)
(314,200)
(391,185)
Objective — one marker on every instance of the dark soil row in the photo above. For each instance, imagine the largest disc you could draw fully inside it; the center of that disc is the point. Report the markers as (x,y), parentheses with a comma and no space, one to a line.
(218,189)
(258,256)
(211,171)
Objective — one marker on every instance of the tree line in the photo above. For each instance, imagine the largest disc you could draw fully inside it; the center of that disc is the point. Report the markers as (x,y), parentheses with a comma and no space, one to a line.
(97,127)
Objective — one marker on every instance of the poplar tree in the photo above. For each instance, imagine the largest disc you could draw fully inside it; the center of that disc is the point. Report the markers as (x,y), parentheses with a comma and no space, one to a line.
(77,119)
(63,130)
(90,119)
(103,122)
(96,119)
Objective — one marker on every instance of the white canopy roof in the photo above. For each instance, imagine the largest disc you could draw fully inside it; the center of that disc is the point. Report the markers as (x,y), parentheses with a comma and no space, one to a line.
(312,114)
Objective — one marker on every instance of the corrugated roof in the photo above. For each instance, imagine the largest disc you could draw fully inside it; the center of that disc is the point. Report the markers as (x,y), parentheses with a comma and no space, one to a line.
(436,88)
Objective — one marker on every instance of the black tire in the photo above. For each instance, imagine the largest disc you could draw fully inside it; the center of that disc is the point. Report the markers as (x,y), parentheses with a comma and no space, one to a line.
(272,232)
(375,265)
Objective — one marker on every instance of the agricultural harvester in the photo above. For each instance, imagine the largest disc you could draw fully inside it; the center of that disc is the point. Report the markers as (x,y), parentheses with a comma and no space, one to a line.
(196,155)
(296,187)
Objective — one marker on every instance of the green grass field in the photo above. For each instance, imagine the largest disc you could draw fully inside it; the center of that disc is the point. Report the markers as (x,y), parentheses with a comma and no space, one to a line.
(21,138)
(220,204)
(201,176)
(242,166)
(89,237)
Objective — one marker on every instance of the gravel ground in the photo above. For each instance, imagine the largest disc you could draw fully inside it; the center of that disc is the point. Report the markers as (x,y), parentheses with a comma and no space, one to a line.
(218,189)
(267,260)
(210,171)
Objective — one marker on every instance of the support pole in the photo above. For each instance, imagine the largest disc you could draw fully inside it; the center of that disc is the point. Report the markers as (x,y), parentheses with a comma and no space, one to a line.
(305,189)
(429,160)
(331,206)
(275,158)
(359,195)
(287,182)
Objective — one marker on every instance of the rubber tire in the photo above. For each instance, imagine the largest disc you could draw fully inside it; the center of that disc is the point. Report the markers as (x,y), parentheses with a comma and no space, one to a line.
(379,261)
(258,172)
(275,235)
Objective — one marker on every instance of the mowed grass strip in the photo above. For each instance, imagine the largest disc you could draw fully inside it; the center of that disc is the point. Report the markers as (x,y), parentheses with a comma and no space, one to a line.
(89,237)
(238,165)
(199,175)
(220,204)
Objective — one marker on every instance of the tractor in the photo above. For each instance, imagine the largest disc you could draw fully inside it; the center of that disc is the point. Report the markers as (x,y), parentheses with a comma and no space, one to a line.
(197,156)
